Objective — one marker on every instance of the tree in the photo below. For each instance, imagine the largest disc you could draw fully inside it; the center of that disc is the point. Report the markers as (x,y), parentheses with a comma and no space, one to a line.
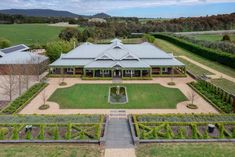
(149,38)
(226,37)
(44,97)
(4,43)
(68,33)
(56,48)
(9,84)
(192,96)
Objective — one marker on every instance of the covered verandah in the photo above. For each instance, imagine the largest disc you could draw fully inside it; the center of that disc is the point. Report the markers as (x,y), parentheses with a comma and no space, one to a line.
(118,73)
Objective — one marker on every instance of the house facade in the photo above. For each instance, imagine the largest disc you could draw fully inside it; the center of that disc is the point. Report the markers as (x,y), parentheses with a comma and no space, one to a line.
(117,60)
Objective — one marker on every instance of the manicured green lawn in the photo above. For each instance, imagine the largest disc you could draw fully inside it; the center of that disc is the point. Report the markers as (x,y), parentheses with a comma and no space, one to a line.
(49,150)
(186,150)
(196,70)
(29,33)
(171,48)
(141,96)
(212,37)
(225,84)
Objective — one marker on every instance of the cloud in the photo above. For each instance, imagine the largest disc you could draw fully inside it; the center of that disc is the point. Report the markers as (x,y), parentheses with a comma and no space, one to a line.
(95,6)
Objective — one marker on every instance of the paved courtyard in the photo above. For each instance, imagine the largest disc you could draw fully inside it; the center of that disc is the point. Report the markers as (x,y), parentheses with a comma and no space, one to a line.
(32,107)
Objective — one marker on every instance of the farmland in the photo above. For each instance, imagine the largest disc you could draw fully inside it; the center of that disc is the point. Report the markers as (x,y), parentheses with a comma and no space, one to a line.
(29,33)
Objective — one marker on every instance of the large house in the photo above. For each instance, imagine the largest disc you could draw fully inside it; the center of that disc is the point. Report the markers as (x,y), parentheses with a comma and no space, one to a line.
(131,61)
(18,59)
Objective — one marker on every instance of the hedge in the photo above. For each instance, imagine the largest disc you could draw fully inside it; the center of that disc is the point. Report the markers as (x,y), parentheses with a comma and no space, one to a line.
(211,54)
(24,99)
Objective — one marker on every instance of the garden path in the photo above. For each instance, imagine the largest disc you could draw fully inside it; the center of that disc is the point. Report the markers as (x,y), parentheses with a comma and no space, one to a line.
(119,142)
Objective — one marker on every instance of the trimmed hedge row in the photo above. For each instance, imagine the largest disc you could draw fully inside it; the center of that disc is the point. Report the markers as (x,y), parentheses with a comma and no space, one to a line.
(70,131)
(24,99)
(184,118)
(214,55)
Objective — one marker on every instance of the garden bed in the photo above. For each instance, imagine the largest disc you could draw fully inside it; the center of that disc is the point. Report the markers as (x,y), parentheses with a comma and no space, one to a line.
(24,99)
(168,127)
(51,128)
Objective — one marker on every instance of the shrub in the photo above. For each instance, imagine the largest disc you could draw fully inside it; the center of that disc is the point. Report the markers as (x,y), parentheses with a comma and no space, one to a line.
(24,99)
(226,37)
(68,133)
(15,135)
(3,132)
(42,132)
(4,43)
(149,38)
(56,133)
(28,135)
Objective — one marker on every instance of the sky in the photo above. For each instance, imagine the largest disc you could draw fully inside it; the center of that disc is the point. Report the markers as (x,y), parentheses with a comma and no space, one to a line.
(139,8)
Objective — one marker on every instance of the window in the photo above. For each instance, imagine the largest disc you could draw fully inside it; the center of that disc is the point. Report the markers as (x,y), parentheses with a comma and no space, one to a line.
(106,72)
(69,70)
(130,71)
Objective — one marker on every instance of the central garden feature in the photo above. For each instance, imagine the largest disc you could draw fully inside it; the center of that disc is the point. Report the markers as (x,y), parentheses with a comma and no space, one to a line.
(118,95)
(95,96)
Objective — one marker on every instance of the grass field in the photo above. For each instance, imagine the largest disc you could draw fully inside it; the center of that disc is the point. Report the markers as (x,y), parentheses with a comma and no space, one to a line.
(212,37)
(171,48)
(186,150)
(225,84)
(49,150)
(141,96)
(29,33)
(196,70)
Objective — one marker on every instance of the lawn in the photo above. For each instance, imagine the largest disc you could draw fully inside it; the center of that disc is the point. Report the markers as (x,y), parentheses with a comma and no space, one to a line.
(49,150)
(227,85)
(141,96)
(186,150)
(29,33)
(212,37)
(171,48)
(196,70)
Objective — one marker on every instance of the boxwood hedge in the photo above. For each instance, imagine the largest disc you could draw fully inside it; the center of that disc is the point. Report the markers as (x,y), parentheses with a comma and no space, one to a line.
(24,99)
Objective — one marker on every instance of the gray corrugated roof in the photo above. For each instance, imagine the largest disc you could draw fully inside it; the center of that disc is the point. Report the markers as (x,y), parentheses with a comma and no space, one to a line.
(23,57)
(163,62)
(71,62)
(106,55)
(123,64)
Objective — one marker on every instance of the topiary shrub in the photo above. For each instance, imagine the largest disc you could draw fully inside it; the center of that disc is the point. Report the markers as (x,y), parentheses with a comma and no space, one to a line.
(56,133)
(226,37)
(68,133)
(42,132)
(3,132)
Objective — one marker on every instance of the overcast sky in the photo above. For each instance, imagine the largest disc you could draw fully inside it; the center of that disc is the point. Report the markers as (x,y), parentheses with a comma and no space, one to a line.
(141,8)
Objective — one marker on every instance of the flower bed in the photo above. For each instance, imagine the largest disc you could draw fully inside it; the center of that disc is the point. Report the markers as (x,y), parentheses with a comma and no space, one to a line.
(24,99)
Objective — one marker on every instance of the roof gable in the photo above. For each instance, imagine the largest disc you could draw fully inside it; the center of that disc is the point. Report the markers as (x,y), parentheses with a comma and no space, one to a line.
(104,56)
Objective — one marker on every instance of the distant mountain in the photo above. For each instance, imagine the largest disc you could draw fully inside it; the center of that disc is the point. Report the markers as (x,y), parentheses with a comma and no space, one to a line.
(39,13)
(101,15)
(49,13)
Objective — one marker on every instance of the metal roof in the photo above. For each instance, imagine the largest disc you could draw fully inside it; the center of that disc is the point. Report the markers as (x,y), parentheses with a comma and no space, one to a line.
(111,64)
(127,55)
(23,57)
(21,47)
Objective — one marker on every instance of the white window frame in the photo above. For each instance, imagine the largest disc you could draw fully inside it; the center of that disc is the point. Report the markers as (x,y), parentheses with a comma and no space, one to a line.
(70,70)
